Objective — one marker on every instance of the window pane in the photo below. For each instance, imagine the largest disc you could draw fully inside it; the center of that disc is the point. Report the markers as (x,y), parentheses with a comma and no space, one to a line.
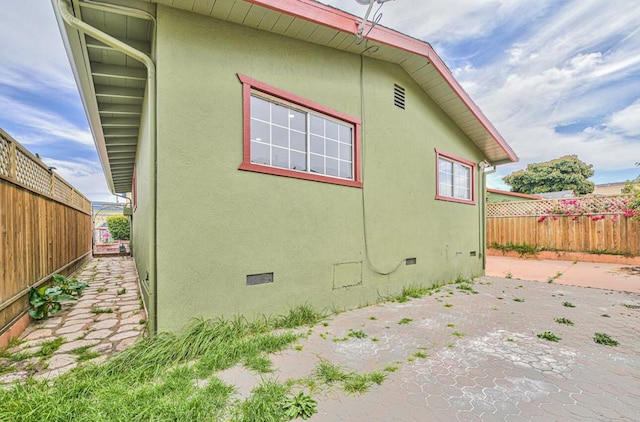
(287,137)
(280,136)
(345,170)
(331,149)
(260,153)
(260,131)
(332,167)
(279,115)
(260,109)
(331,130)
(279,157)
(298,141)
(317,125)
(317,144)
(345,135)
(317,164)
(298,161)
(297,120)
(345,152)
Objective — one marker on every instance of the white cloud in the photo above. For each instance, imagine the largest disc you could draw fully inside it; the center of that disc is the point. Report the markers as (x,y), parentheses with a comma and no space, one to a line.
(32,52)
(39,125)
(626,121)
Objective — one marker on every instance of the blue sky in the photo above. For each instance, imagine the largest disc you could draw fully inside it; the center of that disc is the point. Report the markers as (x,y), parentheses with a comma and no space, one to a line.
(555,77)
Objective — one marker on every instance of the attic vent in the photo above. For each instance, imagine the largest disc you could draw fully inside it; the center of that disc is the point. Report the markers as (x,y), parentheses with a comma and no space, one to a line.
(398,96)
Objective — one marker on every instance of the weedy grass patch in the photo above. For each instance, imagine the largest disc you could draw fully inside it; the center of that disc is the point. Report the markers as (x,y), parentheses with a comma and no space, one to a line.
(548,335)
(604,339)
(157,378)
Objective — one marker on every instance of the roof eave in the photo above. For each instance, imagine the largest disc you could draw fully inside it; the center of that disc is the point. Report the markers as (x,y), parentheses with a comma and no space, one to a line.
(321,14)
(81,72)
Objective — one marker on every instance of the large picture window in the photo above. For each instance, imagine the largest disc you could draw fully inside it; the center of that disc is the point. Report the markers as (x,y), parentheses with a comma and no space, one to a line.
(455,178)
(288,136)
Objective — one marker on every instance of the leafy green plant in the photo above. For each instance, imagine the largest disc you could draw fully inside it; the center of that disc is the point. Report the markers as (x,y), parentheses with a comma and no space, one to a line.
(404,321)
(121,291)
(300,406)
(47,301)
(119,227)
(564,321)
(548,335)
(568,305)
(357,333)
(603,338)
(68,286)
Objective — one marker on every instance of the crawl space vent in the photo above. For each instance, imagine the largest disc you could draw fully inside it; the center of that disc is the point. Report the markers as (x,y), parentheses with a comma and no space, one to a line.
(398,96)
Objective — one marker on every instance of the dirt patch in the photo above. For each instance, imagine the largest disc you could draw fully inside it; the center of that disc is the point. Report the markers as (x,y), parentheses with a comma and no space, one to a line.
(627,270)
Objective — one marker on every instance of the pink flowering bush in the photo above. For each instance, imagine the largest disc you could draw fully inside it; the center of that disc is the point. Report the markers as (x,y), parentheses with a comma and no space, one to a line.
(596,208)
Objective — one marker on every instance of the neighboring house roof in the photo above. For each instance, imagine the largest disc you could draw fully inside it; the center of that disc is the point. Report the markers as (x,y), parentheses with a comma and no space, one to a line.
(113,86)
(564,194)
(516,194)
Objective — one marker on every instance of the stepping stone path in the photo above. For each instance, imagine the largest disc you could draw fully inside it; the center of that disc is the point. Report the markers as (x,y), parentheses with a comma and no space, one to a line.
(107,319)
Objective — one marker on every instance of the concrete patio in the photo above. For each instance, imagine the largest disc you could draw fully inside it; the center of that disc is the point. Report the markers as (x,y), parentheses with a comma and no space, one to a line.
(458,354)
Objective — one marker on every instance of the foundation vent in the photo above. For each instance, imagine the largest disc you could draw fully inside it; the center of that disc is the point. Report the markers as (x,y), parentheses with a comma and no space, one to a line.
(398,96)
(254,279)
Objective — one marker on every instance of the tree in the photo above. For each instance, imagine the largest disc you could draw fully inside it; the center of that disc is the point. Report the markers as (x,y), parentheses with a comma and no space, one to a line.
(564,173)
(118,227)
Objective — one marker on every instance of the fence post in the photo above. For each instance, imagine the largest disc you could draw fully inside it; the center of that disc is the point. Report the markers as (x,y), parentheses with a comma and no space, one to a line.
(13,160)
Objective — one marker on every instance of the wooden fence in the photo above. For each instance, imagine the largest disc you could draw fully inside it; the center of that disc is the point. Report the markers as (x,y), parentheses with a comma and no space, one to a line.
(596,224)
(45,227)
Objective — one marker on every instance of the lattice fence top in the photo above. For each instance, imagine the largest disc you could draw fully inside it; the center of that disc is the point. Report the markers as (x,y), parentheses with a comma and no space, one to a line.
(21,167)
(589,205)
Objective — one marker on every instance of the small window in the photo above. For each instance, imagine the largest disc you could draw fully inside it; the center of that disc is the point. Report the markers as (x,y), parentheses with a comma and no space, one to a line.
(455,178)
(289,136)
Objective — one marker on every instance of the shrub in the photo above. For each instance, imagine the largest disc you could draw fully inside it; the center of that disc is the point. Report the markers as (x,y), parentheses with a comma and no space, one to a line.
(118,227)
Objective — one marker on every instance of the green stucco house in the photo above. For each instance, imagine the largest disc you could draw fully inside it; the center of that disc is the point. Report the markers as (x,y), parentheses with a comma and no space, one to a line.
(276,159)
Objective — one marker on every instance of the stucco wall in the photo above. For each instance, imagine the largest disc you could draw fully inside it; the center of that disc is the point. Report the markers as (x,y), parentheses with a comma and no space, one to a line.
(216,224)
(141,225)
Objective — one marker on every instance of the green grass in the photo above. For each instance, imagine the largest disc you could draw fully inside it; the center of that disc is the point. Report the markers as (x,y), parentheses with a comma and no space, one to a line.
(564,321)
(522,250)
(547,335)
(48,348)
(303,315)
(405,321)
(568,305)
(457,334)
(152,381)
(357,333)
(554,278)
(604,339)
(101,311)
(351,382)
(83,353)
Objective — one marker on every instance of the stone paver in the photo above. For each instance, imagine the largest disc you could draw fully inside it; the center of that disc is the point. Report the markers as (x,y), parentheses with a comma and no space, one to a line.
(484,360)
(78,326)
(460,355)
